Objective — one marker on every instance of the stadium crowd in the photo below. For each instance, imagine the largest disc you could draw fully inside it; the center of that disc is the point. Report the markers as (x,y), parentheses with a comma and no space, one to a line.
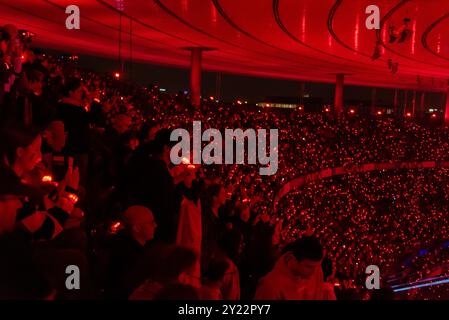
(86,180)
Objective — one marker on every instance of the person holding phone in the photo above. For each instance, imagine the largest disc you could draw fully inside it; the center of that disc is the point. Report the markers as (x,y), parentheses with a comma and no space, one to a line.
(23,206)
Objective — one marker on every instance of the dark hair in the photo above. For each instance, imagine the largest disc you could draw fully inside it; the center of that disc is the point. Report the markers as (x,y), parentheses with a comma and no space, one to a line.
(305,248)
(14,136)
(71,84)
(216,270)
(177,292)
(161,140)
(146,128)
(194,192)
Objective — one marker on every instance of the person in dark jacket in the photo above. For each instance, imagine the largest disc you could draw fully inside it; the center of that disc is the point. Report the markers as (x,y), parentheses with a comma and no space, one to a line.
(128,249)
(71,111)
(21,204)
(10,71)
(42,220)
(150,184)
(213,227)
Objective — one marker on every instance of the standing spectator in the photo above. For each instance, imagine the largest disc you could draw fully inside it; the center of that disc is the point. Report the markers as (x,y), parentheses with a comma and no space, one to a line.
(10,70)
(128,249)
(36,107)
(117,142)
(174,267)
(22,205)
(71,111)
(260,253)
(149,183)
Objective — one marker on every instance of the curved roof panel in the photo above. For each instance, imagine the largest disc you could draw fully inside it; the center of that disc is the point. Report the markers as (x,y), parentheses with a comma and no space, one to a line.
(290,39)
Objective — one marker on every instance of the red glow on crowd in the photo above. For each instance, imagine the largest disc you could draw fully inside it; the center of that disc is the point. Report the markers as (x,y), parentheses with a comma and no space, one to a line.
(368,184)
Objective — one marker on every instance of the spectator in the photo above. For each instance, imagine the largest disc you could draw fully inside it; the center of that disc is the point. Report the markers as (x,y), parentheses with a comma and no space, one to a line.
(10,69)
(118,142)
(297,274)
(20,202)
(260,253)
(128,248)
(53,155)
(230,246)
(213,280)
(150,184)
(175,267)
(35,105)
(76,121)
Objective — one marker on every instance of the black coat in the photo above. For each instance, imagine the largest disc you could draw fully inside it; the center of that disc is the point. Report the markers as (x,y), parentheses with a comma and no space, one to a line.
(149,183)
(76,122)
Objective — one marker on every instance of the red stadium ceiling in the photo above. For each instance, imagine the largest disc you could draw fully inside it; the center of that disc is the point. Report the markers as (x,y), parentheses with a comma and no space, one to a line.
(291,39)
